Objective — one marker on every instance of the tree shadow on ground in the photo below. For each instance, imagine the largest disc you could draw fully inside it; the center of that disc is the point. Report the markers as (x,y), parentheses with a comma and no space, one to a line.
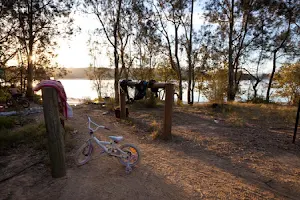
(107,180)
(237,150)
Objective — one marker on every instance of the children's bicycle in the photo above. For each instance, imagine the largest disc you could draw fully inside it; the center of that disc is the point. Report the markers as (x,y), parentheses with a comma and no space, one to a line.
(127,154)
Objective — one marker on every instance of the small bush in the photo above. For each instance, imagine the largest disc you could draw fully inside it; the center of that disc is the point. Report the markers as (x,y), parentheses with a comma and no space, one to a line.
(3,96)
(87,100)
(151,102)
(155,135)
(98,100)
(31,134)
(155,128)
(110,104)
(257,100)
(37,99)
(7,122)
(179,102)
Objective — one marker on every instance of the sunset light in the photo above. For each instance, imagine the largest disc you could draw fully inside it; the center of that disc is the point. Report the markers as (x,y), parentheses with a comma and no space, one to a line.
(149,99)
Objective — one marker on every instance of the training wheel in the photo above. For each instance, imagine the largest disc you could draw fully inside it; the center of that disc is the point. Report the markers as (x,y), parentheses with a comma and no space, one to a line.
(128,169)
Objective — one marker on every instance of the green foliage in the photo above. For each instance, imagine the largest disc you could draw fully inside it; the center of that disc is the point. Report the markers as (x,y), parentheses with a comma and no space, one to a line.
(258,100)
(37,99)
(7,122)
(142,73)
(215,90)
(155,128)
(164,72)
(287,80)
(87,100)
(151,100)
(31,133)
(110,104)
(97,75)
(3,95)
(179,102)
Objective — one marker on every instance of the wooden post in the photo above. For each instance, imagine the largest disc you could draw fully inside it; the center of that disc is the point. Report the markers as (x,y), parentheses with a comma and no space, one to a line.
(169,100)
(296,125)
(54,132)
(122,104)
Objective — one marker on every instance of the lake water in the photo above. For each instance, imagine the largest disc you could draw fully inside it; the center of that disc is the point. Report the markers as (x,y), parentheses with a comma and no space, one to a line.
(82,89)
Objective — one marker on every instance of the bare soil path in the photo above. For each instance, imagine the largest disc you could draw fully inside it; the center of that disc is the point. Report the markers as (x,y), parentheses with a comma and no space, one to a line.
(204,160)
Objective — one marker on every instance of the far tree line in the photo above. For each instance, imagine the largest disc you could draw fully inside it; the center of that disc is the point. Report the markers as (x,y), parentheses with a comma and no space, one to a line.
(236,37)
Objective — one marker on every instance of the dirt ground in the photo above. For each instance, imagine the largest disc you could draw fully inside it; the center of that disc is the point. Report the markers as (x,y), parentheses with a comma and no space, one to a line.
(206,159)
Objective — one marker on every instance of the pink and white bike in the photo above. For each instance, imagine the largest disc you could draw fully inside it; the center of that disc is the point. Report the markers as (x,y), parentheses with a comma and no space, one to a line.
(127,154)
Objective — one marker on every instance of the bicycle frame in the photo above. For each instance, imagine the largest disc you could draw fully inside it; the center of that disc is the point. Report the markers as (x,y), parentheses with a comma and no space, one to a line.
(103,144)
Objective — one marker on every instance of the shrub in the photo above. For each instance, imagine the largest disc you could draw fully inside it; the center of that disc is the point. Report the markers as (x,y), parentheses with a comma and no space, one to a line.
(31,133)
(110,104)
(87,100)
(179,102)
(37,99)
(3,96)
(7,122)
(151,102)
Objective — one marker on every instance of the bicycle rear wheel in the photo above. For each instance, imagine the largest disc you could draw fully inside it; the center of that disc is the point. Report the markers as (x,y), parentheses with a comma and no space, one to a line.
(25,103)
(83,154)
(133,156)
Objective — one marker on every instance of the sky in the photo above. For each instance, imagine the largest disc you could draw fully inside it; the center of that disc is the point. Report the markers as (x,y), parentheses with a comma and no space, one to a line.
(74,53)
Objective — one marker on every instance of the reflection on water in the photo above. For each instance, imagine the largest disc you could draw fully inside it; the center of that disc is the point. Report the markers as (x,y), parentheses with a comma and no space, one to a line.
(81,89)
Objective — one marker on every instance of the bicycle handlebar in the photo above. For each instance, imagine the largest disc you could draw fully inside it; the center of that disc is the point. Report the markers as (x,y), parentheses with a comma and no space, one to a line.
(95,124)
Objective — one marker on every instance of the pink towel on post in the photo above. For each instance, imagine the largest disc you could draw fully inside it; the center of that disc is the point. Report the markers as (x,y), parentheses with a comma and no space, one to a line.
(60,90)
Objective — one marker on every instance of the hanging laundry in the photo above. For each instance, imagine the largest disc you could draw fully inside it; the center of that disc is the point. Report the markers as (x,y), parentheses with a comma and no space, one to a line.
(154,90)
(140,90)
(64,108)
(124,87)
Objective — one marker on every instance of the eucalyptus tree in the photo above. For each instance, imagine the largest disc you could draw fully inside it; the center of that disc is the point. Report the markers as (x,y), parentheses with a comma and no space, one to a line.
(40,22)
(187,42)
(8,29)
(147,39)
(235,21)
(116,22)
(284,38)
(170,13)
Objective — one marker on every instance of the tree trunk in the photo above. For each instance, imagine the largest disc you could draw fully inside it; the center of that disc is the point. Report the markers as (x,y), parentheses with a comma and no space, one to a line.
(180,87)
(116,83)
(29,91)
(190,87)
(116,56)
(123,64)
(231,89)
(255,90)
(178,63)
(271,77)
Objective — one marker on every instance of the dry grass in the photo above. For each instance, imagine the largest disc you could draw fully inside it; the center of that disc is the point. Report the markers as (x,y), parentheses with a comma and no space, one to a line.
(155,127)
(241,114)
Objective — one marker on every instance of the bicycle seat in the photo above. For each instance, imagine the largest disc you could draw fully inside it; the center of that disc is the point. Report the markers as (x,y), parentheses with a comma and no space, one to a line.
(116,138)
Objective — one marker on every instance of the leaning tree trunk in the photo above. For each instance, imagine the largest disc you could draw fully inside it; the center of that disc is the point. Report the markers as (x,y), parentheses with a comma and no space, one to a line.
(271,77)
(178,63)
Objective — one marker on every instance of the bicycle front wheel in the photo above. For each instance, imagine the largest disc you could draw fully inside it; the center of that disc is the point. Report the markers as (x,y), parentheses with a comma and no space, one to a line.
(9,102)
(84,153)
